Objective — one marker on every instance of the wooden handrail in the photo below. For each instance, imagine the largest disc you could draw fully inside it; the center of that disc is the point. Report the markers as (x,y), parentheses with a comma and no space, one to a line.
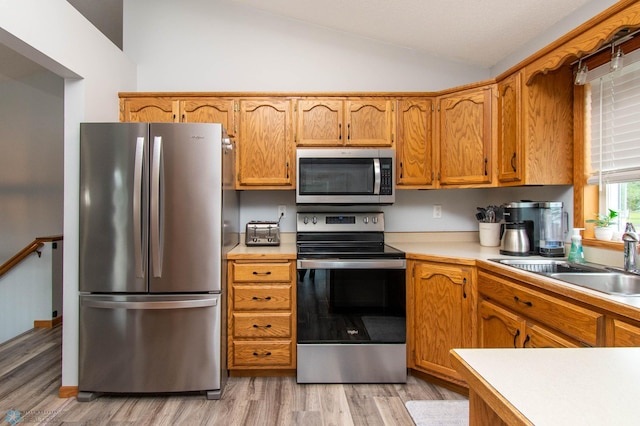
(34,246)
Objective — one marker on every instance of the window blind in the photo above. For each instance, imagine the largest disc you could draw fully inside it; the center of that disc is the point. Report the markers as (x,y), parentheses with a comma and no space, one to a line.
(614,101)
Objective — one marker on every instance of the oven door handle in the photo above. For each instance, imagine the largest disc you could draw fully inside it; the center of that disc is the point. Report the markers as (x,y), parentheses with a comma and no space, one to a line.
(352,264)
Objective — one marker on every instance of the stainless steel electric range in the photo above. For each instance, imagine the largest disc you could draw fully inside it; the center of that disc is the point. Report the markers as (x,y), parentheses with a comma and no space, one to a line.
(351,301)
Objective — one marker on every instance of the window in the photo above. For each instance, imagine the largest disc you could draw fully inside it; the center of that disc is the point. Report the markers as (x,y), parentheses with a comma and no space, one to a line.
(613,138)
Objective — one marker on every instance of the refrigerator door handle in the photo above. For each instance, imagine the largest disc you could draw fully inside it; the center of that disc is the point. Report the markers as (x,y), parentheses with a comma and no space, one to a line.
(137,206)
(173,304)
(156,231)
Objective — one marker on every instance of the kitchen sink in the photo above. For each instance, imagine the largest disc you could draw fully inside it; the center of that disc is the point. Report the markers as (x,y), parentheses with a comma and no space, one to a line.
(615,283)
(589,275)
(551,266)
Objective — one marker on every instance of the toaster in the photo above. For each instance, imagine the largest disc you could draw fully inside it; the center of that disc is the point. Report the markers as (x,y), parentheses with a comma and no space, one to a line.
(262,233)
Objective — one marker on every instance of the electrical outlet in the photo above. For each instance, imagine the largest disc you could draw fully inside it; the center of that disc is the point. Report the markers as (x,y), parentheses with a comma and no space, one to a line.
(437,211)
(282,211)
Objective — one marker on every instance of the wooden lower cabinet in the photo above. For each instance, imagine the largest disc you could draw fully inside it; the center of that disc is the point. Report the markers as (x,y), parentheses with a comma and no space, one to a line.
(622,333)
(500,328)
(262,315)
(440,316)
(516,316)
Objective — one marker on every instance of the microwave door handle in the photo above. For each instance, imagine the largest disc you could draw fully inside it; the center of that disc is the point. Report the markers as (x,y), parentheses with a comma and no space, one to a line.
(376,174)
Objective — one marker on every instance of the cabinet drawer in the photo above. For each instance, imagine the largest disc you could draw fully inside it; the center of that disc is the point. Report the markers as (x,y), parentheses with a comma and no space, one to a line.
(263,354)
(262,325)
(261,272)
(261,297)
(572,320)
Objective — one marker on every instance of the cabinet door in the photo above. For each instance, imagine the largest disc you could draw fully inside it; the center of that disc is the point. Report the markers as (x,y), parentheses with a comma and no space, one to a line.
(414,151)
(209,110)
(149,110)
(440,303)
(264,157)
(540,337)
(548,128)
(465,137)
(369,122)
(320,122)
(509,129)
(623,334)
(498,328)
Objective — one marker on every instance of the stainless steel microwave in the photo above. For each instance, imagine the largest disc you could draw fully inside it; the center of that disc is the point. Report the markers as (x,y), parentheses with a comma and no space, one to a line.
(345,176)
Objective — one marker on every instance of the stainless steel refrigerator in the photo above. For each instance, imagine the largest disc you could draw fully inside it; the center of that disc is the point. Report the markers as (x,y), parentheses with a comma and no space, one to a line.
(158,215)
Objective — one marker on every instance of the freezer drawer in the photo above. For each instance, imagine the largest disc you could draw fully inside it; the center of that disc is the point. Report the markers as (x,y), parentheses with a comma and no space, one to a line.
(153,343)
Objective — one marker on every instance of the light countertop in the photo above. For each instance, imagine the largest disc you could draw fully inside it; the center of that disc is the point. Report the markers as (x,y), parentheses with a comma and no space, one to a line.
(575,386)
(460,248)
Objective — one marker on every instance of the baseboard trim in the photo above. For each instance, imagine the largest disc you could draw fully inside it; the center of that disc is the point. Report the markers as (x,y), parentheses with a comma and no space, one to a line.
(47,323)
(456,387)
(68,391)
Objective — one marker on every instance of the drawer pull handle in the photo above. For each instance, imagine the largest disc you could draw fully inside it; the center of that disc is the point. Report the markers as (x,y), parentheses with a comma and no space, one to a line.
(515,337)
(526,340)
(517,300)
(261,298)
(263,326)
(263,354)
(261,273)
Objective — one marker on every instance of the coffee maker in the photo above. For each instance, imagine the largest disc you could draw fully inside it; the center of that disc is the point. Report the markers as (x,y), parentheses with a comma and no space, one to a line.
(552,228)
(521,220)
(541,221)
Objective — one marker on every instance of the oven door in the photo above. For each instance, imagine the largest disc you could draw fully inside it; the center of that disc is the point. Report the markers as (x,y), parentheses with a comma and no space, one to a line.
(351,321)
(351,301)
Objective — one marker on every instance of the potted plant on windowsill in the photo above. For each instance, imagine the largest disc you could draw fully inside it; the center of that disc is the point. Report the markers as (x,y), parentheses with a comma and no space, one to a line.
(603,225)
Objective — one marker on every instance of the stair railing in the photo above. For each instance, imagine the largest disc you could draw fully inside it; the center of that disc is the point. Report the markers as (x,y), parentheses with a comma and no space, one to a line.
(33,247)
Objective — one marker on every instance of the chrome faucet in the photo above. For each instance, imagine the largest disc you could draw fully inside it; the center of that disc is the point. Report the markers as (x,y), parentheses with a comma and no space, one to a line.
(630,239)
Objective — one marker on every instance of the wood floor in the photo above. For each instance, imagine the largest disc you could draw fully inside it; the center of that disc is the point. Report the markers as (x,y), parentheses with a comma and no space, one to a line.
(30,378)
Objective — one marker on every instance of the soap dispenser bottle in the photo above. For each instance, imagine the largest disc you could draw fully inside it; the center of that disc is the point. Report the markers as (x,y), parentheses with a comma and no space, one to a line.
(576,255)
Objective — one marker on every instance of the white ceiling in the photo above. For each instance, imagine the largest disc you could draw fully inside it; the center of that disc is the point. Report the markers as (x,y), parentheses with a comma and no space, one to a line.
(476,32)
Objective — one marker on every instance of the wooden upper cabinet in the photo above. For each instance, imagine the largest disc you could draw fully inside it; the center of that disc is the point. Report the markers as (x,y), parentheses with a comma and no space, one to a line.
(320,122)
(465,137)
(345,122)
(265,151)
(209,110)
(414,147)
(509,129)
(149,109)
(370,122)
(535,129)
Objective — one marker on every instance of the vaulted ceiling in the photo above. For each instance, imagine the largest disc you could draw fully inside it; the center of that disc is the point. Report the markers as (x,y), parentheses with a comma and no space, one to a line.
(477,32)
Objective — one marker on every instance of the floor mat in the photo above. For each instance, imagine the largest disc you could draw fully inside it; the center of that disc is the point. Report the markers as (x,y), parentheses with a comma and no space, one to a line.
(439,413)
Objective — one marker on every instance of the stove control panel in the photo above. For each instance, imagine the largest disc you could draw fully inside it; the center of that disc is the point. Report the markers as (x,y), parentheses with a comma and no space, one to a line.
(340,222)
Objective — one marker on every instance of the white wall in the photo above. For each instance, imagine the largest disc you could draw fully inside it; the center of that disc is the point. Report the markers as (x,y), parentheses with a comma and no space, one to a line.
(55,35)
(215,45)
(31,168)
(25,294)
(413,209)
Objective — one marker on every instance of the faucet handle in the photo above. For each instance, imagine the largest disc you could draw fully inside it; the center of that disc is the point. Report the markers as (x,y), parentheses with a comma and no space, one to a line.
(629,227)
